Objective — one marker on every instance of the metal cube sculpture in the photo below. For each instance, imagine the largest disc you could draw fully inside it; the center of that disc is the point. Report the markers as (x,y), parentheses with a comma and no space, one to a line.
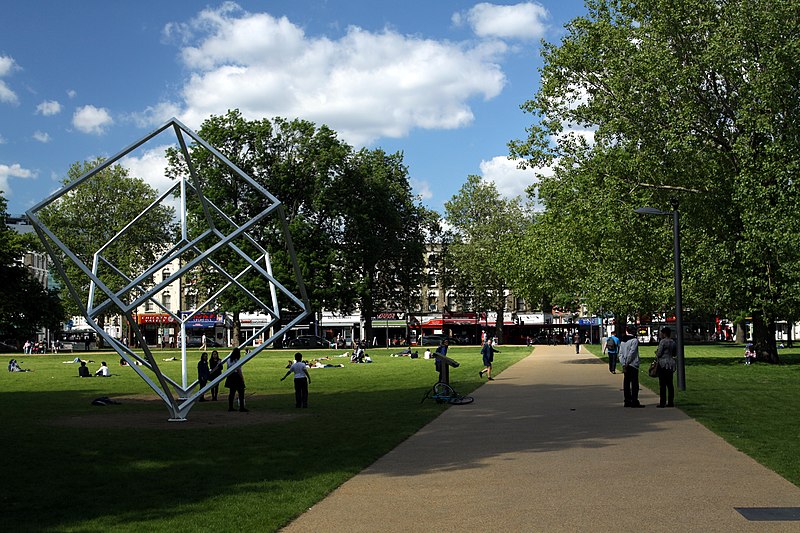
(223,234)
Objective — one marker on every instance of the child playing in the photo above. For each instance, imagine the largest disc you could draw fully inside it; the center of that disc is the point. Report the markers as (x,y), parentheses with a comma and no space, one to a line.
(301,380)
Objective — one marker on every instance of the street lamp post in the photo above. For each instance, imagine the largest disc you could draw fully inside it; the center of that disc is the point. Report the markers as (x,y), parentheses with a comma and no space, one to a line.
(676,238)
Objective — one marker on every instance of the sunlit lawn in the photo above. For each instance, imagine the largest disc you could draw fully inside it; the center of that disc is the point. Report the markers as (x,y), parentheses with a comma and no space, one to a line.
(62,476)
(755,407)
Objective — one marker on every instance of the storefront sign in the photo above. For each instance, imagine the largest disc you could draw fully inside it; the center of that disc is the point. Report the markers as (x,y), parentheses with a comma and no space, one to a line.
(202,320)
(155,318)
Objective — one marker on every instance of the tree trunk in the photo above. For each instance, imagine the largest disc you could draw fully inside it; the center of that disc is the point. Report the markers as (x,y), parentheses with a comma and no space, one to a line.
(764,339)
(237,328)
(501,311)
(741,332)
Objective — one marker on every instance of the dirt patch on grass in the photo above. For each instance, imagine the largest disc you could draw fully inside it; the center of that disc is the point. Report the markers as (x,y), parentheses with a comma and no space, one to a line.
(154,415)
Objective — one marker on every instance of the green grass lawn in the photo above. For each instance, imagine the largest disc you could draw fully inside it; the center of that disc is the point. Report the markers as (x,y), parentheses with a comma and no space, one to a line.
(755,407)
(96,476)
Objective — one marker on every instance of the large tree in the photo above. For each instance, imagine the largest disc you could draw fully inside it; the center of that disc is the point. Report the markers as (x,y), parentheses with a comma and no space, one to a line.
(297,163)
(26,305)
(485,224)
(693,101)
(383,233)
(91,214)
(354,223)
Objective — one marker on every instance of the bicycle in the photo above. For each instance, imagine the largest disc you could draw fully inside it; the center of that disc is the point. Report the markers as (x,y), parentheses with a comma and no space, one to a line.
(443,393)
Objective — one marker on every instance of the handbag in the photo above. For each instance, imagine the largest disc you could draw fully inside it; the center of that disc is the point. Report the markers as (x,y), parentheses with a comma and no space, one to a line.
(653,370)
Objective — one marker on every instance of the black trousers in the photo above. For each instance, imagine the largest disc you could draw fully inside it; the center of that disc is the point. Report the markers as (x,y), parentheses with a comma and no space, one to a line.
(630,385)
(612,362)
(300,392)
(666,389)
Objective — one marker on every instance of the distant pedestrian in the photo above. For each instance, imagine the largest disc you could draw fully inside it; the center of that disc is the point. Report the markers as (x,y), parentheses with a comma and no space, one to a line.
(203,342)
(576,339)
(214,371)
(665,353)
(487,352)
(611,349)
(203,373)
(629,359)
(302,379)
(235,382)
(441,350)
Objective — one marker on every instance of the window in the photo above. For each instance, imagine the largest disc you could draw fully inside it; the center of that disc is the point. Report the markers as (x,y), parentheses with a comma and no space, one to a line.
(148,306)
(166,300)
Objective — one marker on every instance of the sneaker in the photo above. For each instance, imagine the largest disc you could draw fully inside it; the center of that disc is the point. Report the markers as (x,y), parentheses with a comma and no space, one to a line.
(480,374)
(491,379)
(243,410)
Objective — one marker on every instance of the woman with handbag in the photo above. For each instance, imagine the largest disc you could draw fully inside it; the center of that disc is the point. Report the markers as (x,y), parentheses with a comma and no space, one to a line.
(665,353)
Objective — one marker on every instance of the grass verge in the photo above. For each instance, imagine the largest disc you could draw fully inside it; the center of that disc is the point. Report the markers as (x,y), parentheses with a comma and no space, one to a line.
(72,467)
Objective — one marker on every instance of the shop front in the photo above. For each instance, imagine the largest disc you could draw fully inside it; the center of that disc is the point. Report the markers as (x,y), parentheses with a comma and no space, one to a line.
(158,329)
(212,325)
(341,329)
(390,328)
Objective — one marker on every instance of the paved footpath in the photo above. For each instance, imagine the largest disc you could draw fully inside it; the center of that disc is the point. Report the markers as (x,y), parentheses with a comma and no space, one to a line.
(547,446)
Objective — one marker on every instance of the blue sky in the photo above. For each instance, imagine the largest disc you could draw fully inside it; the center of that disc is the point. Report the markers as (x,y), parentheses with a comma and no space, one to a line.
(440,80)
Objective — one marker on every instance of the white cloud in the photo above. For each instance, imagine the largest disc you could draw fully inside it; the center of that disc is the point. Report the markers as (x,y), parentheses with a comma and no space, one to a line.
(509,180)
(48,108)
(520,21)
(90,119)
(13,171)
(7,64)
(72,93)
(151,166)
(41,136)
(421,188)
(365,84)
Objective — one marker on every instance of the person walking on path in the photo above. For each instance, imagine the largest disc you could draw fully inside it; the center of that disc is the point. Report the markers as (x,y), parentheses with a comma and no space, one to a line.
(487,351)
(576,339)
(215,371)
(235,382)
(629,359)
(302,380)
(203,341)
(203,373)
(611,348)
(665,353)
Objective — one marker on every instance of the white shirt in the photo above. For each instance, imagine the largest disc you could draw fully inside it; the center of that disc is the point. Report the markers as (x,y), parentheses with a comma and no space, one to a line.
(298,367)
(102,371)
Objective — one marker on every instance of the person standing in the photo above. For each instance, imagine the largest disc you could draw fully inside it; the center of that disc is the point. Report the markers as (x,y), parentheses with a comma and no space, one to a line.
(215,371)
(441,350)
(576,339)
(487,352)
(203,341)
(611,349)
(235,382)
(665,353)
(203,373)
(302,380)
(629,359)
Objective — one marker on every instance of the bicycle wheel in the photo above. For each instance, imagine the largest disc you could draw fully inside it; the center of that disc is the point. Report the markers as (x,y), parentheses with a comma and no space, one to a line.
(461,400)
(442,392)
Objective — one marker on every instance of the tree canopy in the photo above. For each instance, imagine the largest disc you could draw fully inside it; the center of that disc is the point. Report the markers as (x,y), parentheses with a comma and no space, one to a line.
(90,215)
(355,225)
(26,305)
(692,101)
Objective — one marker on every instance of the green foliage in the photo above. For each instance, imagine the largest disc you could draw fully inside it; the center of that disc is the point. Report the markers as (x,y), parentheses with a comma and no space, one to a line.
(695,101)
(26,305)
(355,225)
(485,226)
(90,215)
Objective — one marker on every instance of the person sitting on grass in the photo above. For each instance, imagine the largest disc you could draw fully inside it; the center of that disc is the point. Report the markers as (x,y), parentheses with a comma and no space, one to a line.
(103,370)
(83,371)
